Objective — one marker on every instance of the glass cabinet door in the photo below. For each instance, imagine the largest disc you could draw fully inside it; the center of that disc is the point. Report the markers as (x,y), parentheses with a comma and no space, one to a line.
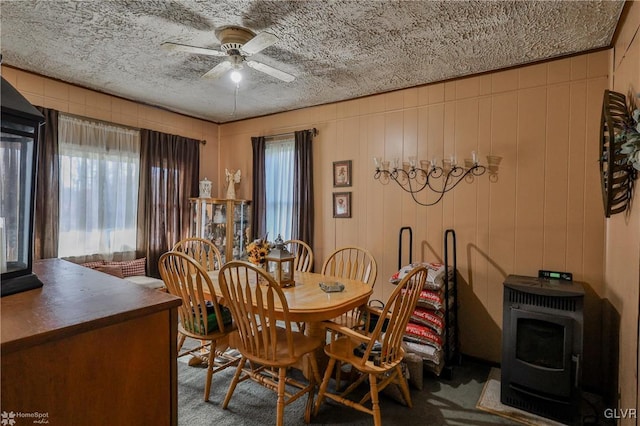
(226,223)
(217,227)
(241,228)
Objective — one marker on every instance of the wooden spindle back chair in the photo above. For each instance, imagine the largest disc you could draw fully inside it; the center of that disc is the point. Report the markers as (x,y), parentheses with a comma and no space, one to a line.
(303,261)
(201,316)
(265,336)
(376,356)
(202,250)
(355,263)
(303,253)
(352,262)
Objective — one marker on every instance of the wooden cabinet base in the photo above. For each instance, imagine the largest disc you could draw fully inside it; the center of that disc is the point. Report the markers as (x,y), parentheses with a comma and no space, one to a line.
(115,375)
(115,370)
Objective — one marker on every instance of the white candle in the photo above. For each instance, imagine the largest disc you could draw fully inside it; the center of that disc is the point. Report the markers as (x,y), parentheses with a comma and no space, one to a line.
(474,157)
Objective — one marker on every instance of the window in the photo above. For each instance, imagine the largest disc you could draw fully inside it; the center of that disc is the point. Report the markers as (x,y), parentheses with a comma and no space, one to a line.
(279,163)
(99,178)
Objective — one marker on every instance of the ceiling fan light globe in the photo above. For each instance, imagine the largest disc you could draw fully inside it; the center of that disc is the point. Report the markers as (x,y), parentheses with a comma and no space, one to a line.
(236,76)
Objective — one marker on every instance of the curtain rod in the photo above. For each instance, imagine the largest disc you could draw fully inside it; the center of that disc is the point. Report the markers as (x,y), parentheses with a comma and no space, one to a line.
(314,130)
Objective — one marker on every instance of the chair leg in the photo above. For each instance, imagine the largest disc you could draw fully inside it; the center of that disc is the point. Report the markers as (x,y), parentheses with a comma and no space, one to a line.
(377,418)
(313,380)
(234,382)
(207,387)
(282,377)
(181,339)
(309,406)
(338,375)
(325,383)
(404,388)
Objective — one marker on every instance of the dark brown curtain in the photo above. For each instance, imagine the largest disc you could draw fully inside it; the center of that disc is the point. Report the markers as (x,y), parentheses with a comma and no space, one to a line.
(259,216)
(303,187)
(169,173)
(47,211)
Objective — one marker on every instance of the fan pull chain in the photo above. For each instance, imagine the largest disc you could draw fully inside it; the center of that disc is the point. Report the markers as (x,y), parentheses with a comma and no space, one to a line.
(235,99)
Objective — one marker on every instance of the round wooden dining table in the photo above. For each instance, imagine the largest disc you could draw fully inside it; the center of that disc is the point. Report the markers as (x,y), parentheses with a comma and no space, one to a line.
(310,304)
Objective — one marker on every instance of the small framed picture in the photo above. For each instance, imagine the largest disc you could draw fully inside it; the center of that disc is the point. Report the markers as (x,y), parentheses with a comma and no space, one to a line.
(341,204)
(341,173)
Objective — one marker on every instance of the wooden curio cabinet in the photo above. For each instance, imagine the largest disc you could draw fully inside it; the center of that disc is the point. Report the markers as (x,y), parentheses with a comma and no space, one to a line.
(227,223)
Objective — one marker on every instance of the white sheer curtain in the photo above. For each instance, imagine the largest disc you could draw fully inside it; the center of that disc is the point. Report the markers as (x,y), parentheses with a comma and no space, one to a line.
(99,173)
(279,162)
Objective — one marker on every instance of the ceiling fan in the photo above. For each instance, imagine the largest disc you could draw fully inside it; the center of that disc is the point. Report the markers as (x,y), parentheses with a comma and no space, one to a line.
(237,44)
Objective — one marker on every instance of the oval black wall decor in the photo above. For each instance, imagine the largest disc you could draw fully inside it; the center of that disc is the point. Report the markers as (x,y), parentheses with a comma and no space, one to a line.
(615,172)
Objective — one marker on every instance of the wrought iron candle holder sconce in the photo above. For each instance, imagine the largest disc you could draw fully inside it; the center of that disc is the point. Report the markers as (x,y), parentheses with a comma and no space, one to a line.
(439,179)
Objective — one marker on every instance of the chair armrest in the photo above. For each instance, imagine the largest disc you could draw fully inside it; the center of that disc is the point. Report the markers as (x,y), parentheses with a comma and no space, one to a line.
(346,331)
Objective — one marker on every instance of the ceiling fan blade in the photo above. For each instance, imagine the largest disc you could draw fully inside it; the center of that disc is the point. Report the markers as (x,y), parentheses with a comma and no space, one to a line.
(273,72)
(218,70)
(177,47)
(259,42)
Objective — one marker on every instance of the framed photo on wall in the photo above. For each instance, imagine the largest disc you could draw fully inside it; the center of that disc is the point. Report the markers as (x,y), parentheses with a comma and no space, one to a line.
(341,204)
(341,173)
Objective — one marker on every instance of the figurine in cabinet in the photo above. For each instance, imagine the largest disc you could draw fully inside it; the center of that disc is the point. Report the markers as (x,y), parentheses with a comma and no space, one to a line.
(218,216)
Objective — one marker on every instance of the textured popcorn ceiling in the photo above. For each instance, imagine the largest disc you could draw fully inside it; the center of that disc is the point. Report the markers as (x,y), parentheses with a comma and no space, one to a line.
(336,49)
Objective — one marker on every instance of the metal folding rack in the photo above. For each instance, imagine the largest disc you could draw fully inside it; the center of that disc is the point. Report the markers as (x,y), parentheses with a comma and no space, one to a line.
(450,309)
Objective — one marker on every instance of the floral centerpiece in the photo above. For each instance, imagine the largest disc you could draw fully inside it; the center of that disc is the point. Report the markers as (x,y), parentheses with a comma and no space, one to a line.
(257,251)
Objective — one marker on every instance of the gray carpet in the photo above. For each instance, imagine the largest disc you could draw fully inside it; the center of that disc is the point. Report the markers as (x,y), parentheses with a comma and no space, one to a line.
(440,402)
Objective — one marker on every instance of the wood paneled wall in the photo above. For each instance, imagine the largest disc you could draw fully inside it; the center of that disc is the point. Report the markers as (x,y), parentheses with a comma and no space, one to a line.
(545,210)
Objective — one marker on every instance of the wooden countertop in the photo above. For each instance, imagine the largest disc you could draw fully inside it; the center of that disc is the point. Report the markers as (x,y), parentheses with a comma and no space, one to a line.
(74,299)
